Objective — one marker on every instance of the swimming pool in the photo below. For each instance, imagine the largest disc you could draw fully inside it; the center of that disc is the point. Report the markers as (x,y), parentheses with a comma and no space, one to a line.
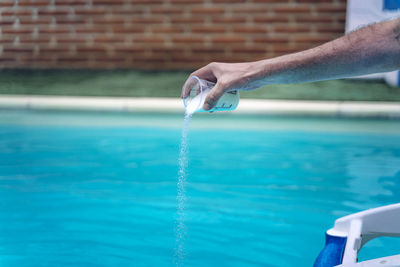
(99,189)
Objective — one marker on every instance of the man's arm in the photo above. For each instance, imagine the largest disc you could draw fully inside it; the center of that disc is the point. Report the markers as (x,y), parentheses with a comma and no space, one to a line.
(375,48)
(372,49)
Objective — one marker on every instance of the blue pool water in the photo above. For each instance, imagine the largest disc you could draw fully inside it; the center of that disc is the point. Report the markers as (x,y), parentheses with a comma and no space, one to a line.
(99,189)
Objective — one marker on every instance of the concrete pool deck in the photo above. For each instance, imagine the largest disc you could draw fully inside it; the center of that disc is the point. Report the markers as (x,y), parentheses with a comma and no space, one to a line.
(174,105)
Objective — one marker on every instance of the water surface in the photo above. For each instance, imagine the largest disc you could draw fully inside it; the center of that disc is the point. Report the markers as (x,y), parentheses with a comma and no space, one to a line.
(99,189)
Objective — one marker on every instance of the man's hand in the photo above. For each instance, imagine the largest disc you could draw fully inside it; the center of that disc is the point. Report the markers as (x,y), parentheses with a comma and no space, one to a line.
(227,76)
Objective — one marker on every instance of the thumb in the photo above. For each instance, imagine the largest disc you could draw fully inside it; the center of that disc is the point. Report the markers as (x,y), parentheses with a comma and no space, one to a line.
(213,96)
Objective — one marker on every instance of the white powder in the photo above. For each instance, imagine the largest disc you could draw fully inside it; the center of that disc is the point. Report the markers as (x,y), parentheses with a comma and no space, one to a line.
(197,102)
(180,228)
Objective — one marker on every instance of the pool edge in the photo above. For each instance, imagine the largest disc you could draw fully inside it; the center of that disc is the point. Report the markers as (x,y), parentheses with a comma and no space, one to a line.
(174,105)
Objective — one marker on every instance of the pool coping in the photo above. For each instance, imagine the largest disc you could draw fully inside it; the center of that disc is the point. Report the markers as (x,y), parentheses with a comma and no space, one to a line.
(174,105)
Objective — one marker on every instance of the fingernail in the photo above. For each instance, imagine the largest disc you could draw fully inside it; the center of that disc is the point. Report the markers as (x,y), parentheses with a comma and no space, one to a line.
(206,106)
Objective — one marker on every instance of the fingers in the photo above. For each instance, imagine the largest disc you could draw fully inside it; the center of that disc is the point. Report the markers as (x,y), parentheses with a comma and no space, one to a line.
(213,97)
(186,92)
(205,73)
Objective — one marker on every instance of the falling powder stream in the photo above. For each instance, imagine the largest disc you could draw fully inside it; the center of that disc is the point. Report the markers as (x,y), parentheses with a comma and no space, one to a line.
(180,228)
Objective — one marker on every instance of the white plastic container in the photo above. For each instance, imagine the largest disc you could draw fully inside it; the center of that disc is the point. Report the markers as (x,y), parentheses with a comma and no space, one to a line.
(198,90)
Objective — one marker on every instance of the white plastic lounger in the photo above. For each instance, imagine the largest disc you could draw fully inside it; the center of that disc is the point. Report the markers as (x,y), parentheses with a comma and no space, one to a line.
(350,233)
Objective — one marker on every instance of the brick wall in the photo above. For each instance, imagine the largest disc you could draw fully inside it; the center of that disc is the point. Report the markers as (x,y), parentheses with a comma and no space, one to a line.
(160,34)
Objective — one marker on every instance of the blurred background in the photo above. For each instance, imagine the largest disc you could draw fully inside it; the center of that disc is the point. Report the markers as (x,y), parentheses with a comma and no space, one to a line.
(161,34)
(148,47)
